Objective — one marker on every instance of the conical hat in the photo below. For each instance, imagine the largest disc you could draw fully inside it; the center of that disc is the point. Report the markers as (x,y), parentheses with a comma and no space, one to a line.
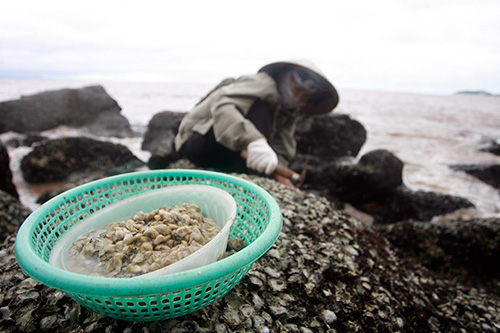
(322,102)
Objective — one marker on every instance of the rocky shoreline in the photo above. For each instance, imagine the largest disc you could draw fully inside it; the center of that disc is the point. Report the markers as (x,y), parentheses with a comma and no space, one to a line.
(327,270)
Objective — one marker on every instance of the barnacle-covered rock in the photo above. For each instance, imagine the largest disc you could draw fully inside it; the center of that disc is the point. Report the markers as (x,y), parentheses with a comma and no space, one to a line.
(12,214)
(326,272)
(458,249)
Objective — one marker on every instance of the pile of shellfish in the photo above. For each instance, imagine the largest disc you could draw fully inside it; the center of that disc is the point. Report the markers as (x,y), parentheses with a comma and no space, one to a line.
(144,243)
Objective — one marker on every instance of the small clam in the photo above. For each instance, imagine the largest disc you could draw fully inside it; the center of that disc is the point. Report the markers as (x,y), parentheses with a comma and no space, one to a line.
(119,246)
(164,214)
(139,216)
(151,232)
(146,246)
(162,229)
(107,249)
(166,261)
(153,267)
(138,258)
(134,268)
(146,242)
(114,265)
(182,232)
(130,224)
(128,239)
(196,237)
(160,239)
(119,234)
(88,249)
(162,247)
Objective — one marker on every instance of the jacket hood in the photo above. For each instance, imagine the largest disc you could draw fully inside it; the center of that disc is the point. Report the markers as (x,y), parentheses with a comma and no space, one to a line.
(322,102)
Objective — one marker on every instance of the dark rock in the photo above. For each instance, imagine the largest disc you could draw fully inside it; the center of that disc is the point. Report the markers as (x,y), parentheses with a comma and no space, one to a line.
(47,195)
(375,186)
(89,106)
(27,140)
(57,159)
(75,180)
(376,174)
(159,138)
(162,161)
(6,183)
(488,173)
(12,214)
(490,145)
(405,204)
(326,272)
(326,145)
(467,249)
(32,138)
(474,92)
(111,124)
(330,137)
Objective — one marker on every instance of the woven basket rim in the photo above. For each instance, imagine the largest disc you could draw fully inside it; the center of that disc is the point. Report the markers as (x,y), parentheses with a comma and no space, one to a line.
(34,265)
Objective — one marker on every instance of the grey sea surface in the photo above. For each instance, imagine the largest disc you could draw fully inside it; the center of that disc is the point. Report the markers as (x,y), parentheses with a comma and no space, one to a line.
(427,132)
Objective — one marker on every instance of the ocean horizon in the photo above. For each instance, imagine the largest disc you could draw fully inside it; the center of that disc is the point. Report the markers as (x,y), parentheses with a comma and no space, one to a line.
(428,132)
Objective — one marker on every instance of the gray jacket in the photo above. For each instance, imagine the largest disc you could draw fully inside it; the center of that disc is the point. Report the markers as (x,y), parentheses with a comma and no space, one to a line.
(225,110)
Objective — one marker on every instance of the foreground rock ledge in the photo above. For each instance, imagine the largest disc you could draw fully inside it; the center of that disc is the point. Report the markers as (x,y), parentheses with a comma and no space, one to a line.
(326,272)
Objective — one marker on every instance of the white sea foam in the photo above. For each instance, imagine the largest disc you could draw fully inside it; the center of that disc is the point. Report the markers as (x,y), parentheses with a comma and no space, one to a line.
(427,132)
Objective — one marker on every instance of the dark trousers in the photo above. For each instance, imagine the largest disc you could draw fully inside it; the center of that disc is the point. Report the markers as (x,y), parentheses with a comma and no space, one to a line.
(206,152)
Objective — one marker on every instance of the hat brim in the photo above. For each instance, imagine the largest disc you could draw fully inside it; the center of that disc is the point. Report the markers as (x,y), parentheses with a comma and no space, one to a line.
(323,101)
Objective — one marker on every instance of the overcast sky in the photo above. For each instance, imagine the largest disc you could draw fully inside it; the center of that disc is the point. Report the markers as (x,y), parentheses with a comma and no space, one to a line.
(428,46)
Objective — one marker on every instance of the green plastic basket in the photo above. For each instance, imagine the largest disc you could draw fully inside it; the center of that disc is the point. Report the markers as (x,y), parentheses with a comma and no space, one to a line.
(258,222)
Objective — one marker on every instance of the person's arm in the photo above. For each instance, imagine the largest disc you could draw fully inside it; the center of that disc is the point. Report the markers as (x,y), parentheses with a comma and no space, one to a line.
(284,142)
(231,104)
(231,128)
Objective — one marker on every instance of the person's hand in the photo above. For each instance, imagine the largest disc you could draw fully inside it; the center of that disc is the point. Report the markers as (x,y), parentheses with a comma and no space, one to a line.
(261,157)
(283,180)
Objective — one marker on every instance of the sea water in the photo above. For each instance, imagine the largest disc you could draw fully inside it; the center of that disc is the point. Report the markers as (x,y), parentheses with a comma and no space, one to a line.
(427,132)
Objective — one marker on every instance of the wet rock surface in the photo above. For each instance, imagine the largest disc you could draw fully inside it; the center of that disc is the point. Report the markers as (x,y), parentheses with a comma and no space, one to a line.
(326,272)
(464,250)
(6,183)
(375,186)
(326,147)
(88,106)
(12,214)
(376,174)
(27,140)
(159,138)
(488,173)
(490,145)
(57,159)
(330,136)
(405,204)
